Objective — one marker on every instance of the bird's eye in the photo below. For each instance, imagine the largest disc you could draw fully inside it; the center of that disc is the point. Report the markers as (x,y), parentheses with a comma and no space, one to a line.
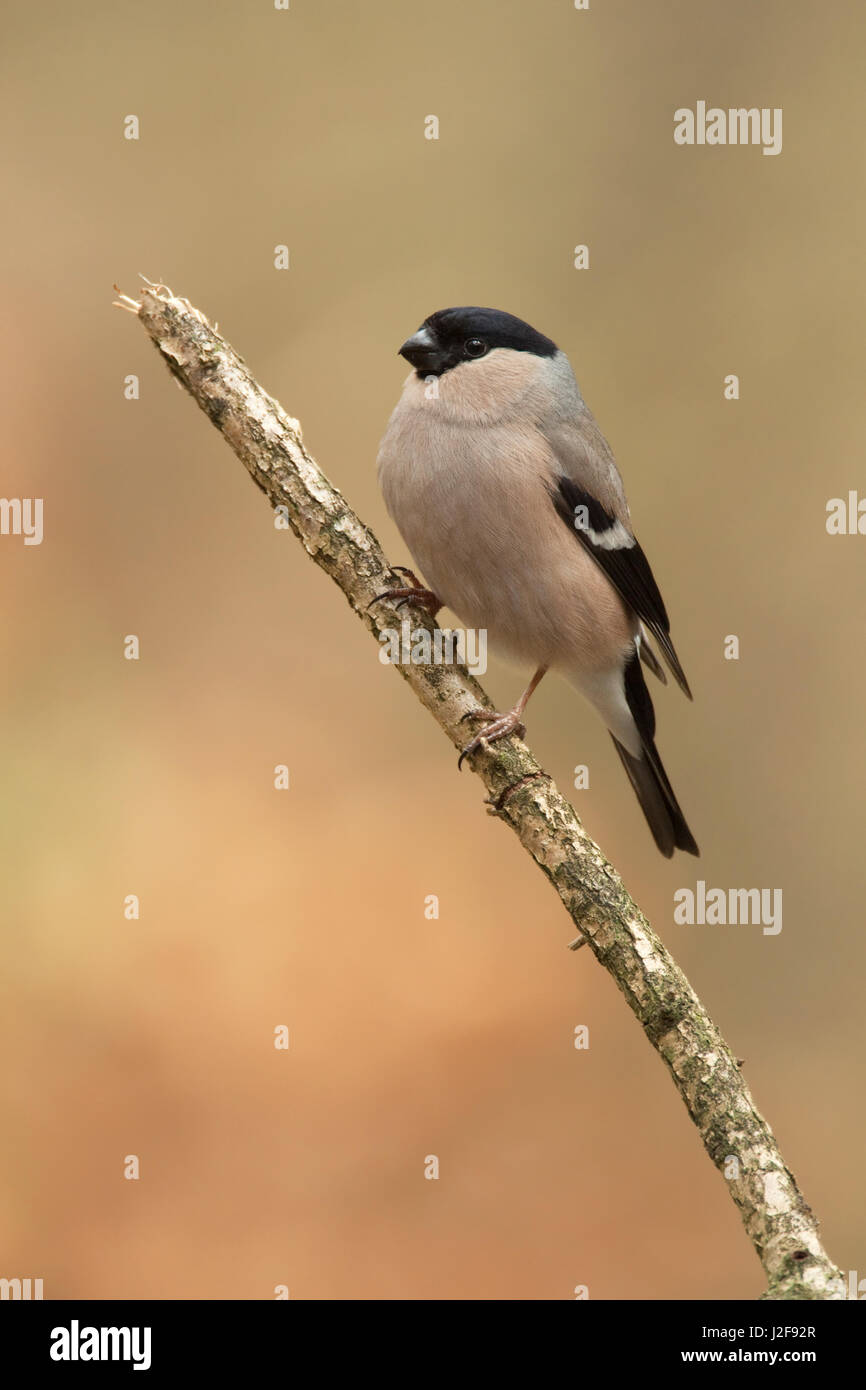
(475,347)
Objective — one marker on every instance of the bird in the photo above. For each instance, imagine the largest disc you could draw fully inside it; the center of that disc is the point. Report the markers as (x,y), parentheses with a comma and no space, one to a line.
(511,504)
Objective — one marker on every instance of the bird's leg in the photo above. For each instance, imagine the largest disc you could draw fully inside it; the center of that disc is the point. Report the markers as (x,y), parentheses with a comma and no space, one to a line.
(414,593)
(500,725)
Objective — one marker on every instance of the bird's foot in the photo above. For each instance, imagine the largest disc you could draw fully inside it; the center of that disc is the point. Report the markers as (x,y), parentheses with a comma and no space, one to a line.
(413,594)
(496,726)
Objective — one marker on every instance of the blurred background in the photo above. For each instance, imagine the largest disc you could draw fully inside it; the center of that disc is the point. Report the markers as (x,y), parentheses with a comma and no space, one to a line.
(410,1036)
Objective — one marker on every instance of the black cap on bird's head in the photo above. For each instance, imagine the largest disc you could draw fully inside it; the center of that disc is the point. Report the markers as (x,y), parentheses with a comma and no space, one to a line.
(452,336)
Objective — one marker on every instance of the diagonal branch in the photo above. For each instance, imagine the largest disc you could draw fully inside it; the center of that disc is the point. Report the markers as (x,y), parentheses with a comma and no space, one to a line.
(738,1140)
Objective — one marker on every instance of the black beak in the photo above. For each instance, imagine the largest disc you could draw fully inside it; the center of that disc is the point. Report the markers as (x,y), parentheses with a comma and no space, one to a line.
(421,350)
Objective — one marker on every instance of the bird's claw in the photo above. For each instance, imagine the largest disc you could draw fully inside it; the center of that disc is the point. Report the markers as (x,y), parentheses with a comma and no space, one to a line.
(497,726)
(413,594)
(480,714)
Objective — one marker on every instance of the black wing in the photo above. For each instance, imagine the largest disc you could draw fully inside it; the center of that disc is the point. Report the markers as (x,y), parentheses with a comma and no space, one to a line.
(618,554)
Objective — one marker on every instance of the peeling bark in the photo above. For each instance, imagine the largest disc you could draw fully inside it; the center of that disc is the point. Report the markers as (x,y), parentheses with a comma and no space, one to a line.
(780,1225)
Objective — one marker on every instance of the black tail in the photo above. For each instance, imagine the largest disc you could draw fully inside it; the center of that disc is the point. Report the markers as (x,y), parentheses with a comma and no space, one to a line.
(646,774)
(657,800)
